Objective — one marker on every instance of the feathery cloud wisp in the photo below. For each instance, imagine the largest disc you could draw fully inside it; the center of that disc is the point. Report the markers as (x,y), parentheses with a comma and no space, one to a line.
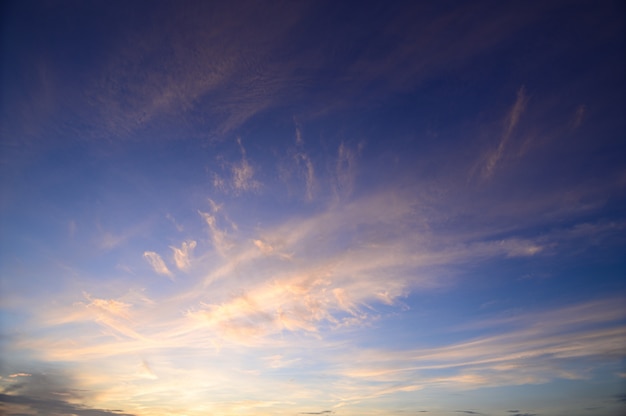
(157,263)
(182,255)
(511,121)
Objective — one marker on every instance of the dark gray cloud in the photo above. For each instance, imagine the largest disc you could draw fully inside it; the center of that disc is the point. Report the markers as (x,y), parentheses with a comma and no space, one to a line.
(468,412)
(50,407)
(50,394)
(323,412)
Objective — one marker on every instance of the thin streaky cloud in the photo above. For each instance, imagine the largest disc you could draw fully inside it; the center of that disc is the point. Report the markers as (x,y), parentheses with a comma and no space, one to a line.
(20,375)
(309,174)
(219,237)
(304,161)
(494,158)
(299,139)
(345,170)
(157,263)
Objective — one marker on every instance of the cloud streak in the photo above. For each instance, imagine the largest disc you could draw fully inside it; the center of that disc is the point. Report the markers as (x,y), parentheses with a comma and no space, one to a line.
(182,255)
(510,123)
(157,264)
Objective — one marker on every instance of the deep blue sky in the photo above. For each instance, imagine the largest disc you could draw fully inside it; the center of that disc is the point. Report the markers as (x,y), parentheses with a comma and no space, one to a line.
(287,208)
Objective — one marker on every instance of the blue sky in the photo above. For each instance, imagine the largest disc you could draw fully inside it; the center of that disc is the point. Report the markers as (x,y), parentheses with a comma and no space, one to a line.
(312,208)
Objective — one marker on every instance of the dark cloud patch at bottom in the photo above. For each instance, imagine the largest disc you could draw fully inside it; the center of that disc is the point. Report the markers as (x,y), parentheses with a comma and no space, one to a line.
(53,407)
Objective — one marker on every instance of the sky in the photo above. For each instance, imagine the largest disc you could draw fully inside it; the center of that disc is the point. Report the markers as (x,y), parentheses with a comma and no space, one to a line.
(282,208)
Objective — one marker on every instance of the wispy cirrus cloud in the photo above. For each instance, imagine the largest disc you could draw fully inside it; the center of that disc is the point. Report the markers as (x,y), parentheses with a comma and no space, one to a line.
(182,255)
(280,319)
(345,170)
(240,177)
(219,237)
(157,263)
(243,173)
(511,121)
(529,343)
(303,159)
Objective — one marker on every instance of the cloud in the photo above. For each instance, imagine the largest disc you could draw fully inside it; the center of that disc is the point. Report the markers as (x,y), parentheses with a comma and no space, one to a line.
(345,171)
(51,393)
(20,375)
(279,361)
(157,263)
(299,140)
(511,121)
(306,164)
(178,226)
(182,256)
(111,313)
(15,405)
(219,237)
(308,170)
(229,81)
(241,175)
(321,282)
(527,351)
(310,176)
(368,392)
(263,246)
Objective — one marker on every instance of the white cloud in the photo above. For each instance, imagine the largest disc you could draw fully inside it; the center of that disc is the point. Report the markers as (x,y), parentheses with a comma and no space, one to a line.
(182,255)
(157,263)
(264,247)
(220,240)
(20,375)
